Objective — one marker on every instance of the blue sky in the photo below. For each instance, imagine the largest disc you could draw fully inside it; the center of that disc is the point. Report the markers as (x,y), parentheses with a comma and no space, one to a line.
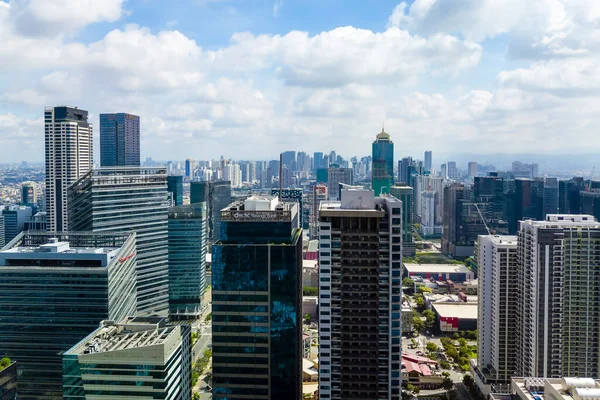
(251,78)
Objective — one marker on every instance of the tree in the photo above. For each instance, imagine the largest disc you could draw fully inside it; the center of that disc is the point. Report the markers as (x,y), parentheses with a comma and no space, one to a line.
(407,282)
(445,364)
(430,318)
(418,324)
(420,302)
(468,381)
(425,289)
(431,346)
(412,388)
(208,317)
(462,342)
(310,291)
(5,362)
(447,383)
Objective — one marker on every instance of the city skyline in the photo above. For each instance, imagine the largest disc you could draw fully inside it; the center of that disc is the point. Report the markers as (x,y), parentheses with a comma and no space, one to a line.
(438,83)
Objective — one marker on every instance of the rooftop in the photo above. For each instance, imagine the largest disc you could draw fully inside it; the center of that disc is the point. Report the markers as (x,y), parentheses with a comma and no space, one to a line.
(259,208)
(436,268)
(555,388)
(59,248)
(456,310)
(132,333)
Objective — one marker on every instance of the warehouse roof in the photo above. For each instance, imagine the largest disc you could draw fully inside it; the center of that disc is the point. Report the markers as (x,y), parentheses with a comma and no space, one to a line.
(437,268)
(456,310)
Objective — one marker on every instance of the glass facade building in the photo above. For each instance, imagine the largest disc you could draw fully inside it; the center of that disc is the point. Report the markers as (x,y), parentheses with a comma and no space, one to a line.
(119,140)
(139,358)
(257,302)
(175,189)
(383,164)
(124,199)
(217,196)
(54,290)
(187,260)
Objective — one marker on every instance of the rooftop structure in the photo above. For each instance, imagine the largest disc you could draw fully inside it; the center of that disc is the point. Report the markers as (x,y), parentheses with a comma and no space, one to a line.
(459,310)
(100,364)
(551,389)
(454,272)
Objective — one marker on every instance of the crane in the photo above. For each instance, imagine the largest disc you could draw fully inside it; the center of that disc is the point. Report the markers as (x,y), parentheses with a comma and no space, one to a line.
(483,219)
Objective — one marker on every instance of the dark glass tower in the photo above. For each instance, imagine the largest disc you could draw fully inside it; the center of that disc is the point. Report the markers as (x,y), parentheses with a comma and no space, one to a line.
(175,189)
(383,164)
(187,260)
(119,140)
(257,302)
(217,196)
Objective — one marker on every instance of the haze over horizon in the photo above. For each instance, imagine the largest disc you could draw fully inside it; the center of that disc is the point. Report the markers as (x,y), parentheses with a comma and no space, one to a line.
(249,79)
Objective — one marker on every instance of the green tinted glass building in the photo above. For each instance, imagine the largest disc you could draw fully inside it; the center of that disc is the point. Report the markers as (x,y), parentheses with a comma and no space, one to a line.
(257,302)
(383,164)
(54,290)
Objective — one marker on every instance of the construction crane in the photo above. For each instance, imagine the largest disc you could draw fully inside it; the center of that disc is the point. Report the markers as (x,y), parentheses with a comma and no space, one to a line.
(483,219)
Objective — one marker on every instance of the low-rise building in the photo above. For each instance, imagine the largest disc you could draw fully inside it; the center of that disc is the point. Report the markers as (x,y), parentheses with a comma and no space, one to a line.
(421,372)
(102,365)
(454,317)
(310,273)
(550,389)
(440,272)
(407,318)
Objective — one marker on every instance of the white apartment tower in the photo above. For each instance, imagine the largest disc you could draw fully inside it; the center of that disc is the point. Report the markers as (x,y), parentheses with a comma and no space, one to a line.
(360,296)
(559,297)
(496,258)
(69,155)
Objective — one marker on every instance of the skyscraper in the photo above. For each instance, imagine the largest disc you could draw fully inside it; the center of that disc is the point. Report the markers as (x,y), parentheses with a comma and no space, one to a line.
(383,163)
(496,258)
(217,196)
(190,167)
(187,260)
(56,287)
(257,302)
(406,195)
(119,140)
(428,161)
(28,194)
(175,189)
(335,176)
(360,296)
(124,199)
(69,155)
(318,160)
(558,294)
(14,220)
(134,358)
(405,167)
(289,159)
(2,237)
(452,171)
(472,169)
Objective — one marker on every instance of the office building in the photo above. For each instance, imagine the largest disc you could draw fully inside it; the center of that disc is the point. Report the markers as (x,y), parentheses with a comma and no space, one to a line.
(318,160)
(523,170)
(233,174)
(187,260)
(472,169)
(360,264)
(405,170)
(217,196)
(123,199)
(496,259)
(590,202)
(335,176)
(190,168)
(433,183)
(175,189)
(8,381)
(37,222)
(28,194)
(383,163)
(558,294)
(451,170)
(14,220)
(257,302)
(452,194)
(289,159)
(428,161)
(429,202)
(138,358)
(119,140)
(406,195)
(65,128)
(56,287)
(2,238)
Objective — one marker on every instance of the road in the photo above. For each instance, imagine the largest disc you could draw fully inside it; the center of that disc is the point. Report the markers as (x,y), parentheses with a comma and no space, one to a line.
(462,393)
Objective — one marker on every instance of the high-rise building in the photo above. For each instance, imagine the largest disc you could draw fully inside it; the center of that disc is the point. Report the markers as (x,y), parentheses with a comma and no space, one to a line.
(429,201)
(335,176)
(286,178)
(472,169)
(496,258)
(289,159)
(2,237)
(406,195)
(360,296)
(523,170)
(190,167)
(124,199)
(569,201)
(452,194)
(140,357)
(56,287)
(14,220)
(558,294)
(257,302)
(8,381)
(382,178)
(175,189)
(318,160)
(233,174)
(119,140)
(37,222)
(187,260)
(452,171)
(428,161)
(65,128)
(28,194)
(434,183)
(217,196)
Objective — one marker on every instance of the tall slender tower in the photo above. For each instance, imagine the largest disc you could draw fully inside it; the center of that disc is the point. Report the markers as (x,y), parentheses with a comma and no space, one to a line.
(69,155)
(428,160)
(360,296)
(119,140)
(383,164)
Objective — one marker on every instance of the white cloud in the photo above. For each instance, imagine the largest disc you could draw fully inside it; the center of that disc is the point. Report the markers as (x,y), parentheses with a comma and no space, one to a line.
(277,6)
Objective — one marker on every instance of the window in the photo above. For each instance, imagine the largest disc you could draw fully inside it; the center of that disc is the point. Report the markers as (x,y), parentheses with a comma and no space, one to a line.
(395,211)
(396,221)
(325,237)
